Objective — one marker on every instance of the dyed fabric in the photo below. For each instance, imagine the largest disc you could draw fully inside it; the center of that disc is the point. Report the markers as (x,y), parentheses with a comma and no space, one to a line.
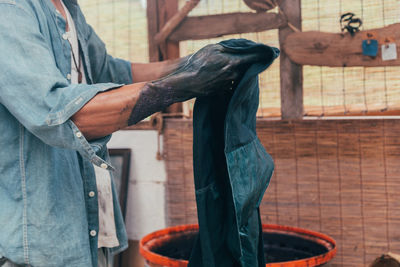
(231,168)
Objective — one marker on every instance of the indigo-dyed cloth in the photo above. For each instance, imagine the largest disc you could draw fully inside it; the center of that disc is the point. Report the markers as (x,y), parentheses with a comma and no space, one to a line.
(48,215)
(231,169)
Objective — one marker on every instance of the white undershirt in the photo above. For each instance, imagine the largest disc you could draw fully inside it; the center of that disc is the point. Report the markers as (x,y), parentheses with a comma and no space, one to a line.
(107,236)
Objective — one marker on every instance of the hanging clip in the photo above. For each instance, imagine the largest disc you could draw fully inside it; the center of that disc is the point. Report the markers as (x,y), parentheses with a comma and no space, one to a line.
(353,24)
(157,122)
(387,41)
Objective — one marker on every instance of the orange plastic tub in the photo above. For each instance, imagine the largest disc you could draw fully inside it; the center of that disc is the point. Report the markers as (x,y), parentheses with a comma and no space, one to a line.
(284,246)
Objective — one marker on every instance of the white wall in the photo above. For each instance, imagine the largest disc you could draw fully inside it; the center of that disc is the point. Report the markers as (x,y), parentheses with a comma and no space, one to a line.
(146,195)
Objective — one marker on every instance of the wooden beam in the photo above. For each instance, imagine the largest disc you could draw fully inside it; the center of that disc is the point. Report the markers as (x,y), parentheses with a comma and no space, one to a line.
(212,26)
(143,125)
(152,29)
(169,49)
(131,256)
(166,10)
(158,14)
(291,73)
(340,49)
(170,26)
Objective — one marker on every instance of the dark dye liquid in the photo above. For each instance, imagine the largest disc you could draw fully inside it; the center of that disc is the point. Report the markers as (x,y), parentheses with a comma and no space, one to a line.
(278,247)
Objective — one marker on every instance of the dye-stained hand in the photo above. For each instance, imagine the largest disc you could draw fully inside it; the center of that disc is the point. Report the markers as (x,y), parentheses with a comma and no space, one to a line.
(213,69)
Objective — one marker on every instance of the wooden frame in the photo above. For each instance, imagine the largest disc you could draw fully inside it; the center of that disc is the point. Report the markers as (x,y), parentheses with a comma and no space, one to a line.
(121,159)
(158,14)
(340,49)
(121,174)
(225,24)
(297,49)
(289,17)
(291,73)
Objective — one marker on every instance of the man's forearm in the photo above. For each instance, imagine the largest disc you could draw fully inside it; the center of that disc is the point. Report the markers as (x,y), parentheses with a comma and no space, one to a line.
(107,112)
(112,110)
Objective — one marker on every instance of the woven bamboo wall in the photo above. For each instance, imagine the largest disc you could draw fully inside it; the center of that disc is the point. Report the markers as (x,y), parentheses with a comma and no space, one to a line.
(340,177)
(122,25)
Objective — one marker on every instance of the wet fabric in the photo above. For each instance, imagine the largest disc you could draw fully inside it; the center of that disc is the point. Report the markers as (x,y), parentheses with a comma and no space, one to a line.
(231,168)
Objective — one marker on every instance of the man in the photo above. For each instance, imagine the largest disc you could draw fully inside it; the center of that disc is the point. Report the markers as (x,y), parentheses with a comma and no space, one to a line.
(61,96)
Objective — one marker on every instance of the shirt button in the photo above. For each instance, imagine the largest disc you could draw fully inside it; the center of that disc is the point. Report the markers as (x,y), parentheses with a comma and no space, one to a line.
(91,194)
(104,166)
(93,233)
(78,134)
(69,76)
(65,36)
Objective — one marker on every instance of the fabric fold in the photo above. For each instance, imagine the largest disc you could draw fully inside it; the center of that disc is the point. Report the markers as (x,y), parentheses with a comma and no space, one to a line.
(232,170)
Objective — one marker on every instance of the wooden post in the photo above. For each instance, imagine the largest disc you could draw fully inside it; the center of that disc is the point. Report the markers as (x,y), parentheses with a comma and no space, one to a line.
(291,73)
(198,27)
(158,14)
(170,26)
(152,29)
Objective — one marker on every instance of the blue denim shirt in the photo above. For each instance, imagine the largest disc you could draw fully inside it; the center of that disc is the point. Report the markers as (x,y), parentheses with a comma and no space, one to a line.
(46,171)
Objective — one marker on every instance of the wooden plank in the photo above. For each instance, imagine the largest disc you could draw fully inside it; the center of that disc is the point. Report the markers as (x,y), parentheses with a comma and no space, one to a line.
(166,10)
(291,73)
(169,49)
(170,26)
(143,125)
(131,256)
(336,111)
(152,29)
(158,14)
(339,49)
(212,26)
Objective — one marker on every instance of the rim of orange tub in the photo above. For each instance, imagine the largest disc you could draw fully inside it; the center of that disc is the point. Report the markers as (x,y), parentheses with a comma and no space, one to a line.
(317,237)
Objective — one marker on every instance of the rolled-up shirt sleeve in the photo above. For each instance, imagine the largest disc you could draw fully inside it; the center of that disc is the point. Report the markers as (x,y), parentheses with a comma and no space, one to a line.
(34,90)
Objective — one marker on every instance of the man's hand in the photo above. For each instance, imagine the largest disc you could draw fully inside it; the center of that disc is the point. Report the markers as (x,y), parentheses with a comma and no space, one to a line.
(210,70)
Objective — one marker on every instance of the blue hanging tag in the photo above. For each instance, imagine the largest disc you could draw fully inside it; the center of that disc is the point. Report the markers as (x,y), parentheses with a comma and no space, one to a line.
(370,47)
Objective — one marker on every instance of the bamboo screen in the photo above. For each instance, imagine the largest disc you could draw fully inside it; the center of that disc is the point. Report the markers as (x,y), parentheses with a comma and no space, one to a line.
(338,177)
(123,27)
(340,90)
(121,24)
